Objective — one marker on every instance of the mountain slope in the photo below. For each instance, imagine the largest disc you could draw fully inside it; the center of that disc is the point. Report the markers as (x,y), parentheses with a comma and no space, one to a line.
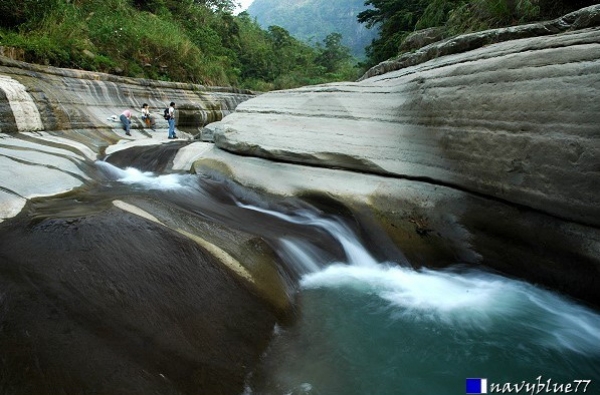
(313,20)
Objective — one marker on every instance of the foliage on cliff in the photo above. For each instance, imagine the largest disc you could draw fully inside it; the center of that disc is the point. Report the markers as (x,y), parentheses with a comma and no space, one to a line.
(396,19)
(202,41)
(197,41)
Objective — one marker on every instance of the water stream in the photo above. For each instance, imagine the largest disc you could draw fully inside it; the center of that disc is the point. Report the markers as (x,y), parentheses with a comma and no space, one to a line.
(369,327)
(363,326)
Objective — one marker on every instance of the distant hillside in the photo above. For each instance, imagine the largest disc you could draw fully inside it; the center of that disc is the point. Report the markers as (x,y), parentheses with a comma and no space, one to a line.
(313,20)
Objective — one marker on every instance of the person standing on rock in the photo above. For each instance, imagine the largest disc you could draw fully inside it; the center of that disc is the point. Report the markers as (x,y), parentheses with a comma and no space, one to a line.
(126,121)
(147,117)
(171,119)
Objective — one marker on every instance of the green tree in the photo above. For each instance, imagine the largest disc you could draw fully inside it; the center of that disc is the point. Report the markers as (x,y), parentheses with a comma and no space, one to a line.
(219,5)
(334,54)
(198,41)
(395,20)
(255,54)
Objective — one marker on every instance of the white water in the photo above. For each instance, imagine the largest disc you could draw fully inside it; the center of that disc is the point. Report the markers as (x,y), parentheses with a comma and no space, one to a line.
(473,299)
(368,327)
(465,297)
(22,105)
(457,297)
(356,255)
(144,179)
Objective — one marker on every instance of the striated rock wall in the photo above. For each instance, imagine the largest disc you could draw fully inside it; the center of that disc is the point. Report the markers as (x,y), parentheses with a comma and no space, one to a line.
(73,99)
(55,122)
(485,157)
(99,294)
(488,156)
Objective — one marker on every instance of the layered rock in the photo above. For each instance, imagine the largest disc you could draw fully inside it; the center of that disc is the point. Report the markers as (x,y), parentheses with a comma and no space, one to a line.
(490,156)
(118,293)
(581,19)
(52,120)
(75,99)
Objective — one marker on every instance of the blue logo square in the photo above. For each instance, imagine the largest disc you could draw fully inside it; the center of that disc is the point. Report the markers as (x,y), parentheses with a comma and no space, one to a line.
(474,386)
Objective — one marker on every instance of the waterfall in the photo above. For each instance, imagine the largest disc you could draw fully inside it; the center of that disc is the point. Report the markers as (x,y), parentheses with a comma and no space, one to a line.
(355,253)
(458,295)
(22,105)
(144,179)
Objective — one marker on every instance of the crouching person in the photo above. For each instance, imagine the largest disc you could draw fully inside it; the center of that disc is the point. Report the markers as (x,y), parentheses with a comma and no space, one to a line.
(147,117)
(126,121)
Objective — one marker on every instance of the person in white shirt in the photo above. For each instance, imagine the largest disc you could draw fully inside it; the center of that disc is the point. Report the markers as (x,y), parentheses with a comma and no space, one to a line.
(171,120)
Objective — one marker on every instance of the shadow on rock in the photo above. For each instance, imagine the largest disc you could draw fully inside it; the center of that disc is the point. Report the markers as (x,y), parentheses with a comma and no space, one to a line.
(112,304)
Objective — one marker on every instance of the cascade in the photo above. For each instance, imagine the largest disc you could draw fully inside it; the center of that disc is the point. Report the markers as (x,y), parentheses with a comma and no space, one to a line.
(369,327)
(360,326)
(126,280)
(384,327)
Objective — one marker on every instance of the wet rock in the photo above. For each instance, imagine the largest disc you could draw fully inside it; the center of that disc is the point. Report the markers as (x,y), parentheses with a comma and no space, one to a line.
(113,303)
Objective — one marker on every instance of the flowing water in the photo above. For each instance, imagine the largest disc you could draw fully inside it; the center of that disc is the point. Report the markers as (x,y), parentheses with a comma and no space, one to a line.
(368,327)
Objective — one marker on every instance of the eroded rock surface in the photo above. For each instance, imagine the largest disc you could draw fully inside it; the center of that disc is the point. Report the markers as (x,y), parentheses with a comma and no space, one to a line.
(104,292)
(49,98)
(497,147)
(54,122)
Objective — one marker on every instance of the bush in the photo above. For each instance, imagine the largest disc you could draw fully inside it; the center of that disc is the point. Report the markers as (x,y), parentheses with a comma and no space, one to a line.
(17,12)
(486,14)
(183,40)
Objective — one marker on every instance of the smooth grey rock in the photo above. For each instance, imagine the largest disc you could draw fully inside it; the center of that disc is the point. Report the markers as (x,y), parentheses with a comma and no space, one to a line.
(75,99)
(33,180)
(10,204)
(48,114)
(515,121)
(488,156)
(435,225)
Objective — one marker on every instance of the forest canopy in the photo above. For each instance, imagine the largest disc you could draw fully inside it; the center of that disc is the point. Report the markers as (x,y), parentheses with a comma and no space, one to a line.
(202,41)
(198,41)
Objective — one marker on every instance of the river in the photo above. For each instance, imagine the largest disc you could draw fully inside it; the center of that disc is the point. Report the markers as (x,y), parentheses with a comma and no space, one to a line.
(360,325)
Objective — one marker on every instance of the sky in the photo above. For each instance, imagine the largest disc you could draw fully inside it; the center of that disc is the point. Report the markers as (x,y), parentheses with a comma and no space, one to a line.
(245,4)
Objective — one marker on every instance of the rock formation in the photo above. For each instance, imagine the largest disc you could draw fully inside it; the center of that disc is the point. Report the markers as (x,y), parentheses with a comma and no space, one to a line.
(74,99)
(98,295)
(55,121)
(489,156)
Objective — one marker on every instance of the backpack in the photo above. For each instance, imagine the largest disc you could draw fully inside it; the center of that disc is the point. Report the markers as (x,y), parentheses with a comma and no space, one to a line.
(166,114)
